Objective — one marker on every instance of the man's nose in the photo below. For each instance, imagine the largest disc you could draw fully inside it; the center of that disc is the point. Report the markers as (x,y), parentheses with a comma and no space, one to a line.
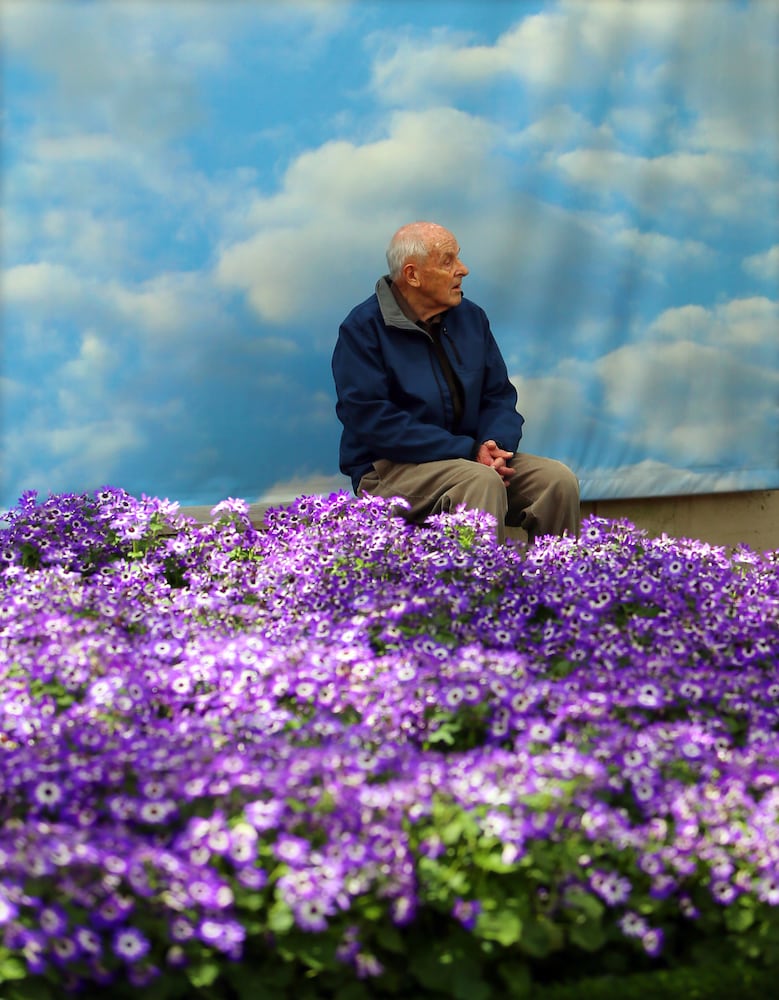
(461,268)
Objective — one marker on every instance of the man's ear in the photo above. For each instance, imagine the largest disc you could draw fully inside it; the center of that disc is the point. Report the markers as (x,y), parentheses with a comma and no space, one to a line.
(410,274)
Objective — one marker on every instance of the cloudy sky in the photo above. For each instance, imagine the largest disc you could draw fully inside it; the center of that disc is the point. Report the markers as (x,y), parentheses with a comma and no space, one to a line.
(194,194)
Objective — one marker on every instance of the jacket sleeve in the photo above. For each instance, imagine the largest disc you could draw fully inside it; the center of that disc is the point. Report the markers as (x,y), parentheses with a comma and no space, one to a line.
(499,420)
(370,417)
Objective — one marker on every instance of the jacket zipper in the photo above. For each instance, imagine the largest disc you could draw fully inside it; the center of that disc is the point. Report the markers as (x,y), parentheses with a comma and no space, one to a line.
(445,333)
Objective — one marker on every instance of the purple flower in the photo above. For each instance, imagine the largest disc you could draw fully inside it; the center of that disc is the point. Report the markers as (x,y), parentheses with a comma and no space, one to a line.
(612,888)
(652,941)
(312,914)
(292,850)
(88,941)
(234,712)
(113,910)
(129,944)
(466,911)
(225,935)
(48,793)
(7,909)
(53,920)
(633,925)
(723,892)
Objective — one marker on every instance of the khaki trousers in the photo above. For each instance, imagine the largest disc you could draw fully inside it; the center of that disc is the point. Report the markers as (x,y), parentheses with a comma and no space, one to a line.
(542,497)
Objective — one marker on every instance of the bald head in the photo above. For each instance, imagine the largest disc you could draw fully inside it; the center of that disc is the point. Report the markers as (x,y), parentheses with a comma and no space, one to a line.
(415,242)
(424,263)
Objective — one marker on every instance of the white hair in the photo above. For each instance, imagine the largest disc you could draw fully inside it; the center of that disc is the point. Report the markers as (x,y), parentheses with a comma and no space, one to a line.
(412,241)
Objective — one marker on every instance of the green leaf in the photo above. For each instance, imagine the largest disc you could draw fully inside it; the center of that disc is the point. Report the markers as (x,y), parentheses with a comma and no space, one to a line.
(453,831)
(518,980)
(588,934)
(266,981)
(503,926)
(584,902)
(204,974)
(740,917)
(280,917)
(541,937)
(318,953)
(442,735)
(452,967)
(439,880)
(426,966)
(468,987)
(492,861)
(166,988)
(352,991)
(12,968)
(28,989)
(389,938)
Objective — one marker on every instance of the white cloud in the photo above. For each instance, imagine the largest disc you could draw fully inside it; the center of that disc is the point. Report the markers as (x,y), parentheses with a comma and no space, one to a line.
(697,390)
(110,62)
(102,147)
(673,69)
(88,451)
(11,391)
(557,398)
(92,446)
(650,478)
(553,49)
(560,421)
(764,266)
(659,251)
(94,359)
(740,325)
(549,50)
(353,198)
(690,322)
(708,59)
(408,70)
(712,56)
(287,489)
(93,242)
(42,285)
(696,183)
(173,306)
(560,127)
(691,402)
(94,48)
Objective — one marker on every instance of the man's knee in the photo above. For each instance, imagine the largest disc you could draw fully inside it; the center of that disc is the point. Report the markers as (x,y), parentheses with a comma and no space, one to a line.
(478,486)
(483,477)
(564,480)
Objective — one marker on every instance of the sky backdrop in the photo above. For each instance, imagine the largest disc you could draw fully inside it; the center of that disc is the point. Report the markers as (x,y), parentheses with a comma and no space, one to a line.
(195,194)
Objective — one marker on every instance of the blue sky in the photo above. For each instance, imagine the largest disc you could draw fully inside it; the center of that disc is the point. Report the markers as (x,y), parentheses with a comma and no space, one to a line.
(194,195)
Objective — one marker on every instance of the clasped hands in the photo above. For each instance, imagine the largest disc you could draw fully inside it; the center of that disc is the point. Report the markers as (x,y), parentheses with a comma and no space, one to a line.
(490,454)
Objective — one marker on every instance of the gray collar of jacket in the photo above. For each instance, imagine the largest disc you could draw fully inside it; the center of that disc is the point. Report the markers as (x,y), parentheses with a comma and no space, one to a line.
(391,312)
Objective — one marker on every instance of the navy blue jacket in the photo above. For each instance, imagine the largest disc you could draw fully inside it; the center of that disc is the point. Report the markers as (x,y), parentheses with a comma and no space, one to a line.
(393,399)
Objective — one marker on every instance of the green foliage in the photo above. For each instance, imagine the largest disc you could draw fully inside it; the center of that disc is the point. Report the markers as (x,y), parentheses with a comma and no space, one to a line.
(458,729)
(12,968)
(708,981)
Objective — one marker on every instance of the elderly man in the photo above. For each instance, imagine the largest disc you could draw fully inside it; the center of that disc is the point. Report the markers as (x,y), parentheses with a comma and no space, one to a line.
(427,408)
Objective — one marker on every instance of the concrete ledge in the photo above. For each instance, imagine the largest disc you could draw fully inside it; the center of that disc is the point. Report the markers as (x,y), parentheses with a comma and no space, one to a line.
(727,519)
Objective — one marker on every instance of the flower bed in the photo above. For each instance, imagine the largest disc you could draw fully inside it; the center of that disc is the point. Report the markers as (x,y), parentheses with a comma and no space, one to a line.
(342,755)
